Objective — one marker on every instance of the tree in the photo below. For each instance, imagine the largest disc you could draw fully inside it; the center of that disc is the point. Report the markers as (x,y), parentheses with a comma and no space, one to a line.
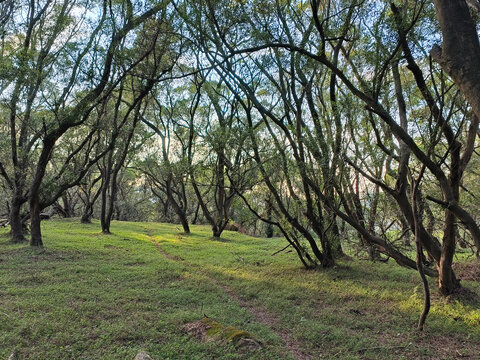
(46,46)
(459,54)
(88,194)
(358,47)
(168,172)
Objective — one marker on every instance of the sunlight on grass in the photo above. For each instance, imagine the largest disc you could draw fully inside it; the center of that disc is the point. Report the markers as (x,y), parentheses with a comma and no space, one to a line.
(89,295)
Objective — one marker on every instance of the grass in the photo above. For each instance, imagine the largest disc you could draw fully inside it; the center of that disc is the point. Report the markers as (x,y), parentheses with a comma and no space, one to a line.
(93,296)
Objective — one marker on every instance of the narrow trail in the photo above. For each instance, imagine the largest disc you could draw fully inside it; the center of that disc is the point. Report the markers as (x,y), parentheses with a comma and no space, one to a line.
(259,313)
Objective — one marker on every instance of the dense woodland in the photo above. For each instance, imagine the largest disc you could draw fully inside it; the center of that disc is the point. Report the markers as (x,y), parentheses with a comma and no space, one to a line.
(332,124)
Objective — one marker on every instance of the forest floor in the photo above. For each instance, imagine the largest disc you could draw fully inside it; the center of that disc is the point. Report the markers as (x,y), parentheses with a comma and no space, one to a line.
(92,296)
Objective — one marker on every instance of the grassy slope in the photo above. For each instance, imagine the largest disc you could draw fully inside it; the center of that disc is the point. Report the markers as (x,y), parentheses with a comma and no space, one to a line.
(92,296)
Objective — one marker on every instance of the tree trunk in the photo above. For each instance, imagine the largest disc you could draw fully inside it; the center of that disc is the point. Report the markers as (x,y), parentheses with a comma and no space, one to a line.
(86,219)
(447,282)
(217,231)
(179,210)
(35,228)
(16,225)
(336,239)
(407,238)
(106,173)
(180,213)
(460,52)
(87,213)
(104,221)
(89,203)
(318,226)
(184,222)
(269,230)
(195,217)
(112,176)
(112,199)
(67,207)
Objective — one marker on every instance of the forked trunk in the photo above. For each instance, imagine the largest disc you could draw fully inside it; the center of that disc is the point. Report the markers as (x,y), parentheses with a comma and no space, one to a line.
(179,210)
(87,213)
(217,231)
(106,227)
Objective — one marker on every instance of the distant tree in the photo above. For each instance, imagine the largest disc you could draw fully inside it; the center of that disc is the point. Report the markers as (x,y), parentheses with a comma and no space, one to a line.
(89,192)
(58,81)
(167,170)
(223,169)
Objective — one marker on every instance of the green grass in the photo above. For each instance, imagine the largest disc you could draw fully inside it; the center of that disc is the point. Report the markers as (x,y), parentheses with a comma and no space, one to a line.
(94,296)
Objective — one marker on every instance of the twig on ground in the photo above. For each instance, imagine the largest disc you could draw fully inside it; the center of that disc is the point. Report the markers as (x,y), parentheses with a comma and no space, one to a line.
(283,249)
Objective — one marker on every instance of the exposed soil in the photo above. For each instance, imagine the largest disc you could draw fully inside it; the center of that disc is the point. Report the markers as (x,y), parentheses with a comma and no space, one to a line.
(468,270)
(259,313)
(443,348)
(164,253)
(263,316)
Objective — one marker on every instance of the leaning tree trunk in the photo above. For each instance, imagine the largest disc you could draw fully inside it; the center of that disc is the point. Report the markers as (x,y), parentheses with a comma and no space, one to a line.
(181,212)
(217,231)
(443,255)
(184,222)
(269,230)
(113,171)
(180,207)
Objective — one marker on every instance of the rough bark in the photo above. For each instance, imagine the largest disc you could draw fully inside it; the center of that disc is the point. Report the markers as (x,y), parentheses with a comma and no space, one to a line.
(35,226)
(16,224)
(459,54)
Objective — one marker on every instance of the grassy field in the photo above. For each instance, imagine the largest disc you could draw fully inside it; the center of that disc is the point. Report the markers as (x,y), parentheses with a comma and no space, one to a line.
(93,296)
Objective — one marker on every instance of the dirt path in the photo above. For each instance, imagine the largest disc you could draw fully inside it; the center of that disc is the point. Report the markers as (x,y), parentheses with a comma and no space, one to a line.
(263,316)
(259,313)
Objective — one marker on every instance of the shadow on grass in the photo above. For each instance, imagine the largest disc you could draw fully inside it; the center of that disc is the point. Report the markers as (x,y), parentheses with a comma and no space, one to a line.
(221,239)
(464,296)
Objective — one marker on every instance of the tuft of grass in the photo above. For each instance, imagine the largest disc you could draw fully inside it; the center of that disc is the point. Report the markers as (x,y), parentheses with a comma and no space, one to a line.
(215,330)
(89,295)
